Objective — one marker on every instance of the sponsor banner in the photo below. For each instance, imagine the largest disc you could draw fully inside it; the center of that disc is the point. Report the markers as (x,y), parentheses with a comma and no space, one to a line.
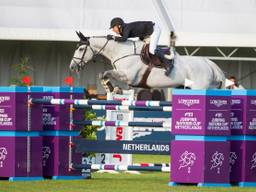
(118,133)
(122,147)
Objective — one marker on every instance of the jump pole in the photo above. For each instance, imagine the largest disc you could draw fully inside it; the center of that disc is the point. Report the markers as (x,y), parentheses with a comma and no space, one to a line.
(124,108)
(97,167)
(123,123)
(101,102)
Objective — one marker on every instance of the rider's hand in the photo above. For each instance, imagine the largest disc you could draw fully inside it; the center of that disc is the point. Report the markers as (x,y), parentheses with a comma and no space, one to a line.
(110,37)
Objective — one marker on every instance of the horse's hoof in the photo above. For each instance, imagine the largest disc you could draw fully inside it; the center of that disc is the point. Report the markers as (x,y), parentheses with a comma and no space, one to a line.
(107,85)
(117,90)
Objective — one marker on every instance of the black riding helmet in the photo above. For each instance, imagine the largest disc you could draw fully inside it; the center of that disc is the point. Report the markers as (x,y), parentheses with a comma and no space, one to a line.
(116,21)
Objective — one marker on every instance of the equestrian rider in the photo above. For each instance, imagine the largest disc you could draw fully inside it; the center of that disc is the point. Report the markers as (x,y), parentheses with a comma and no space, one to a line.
(143,30)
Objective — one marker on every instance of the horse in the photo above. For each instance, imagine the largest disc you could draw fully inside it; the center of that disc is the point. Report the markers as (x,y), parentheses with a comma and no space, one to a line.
(129,70)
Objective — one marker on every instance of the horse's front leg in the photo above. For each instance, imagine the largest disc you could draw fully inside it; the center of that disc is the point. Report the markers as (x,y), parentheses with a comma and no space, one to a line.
(113,80)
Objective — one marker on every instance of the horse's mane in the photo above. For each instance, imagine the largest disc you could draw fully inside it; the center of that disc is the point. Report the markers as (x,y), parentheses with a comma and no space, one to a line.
(128,42)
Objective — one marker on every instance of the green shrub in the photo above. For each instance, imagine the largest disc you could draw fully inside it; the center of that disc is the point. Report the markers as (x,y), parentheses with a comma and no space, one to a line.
(89,131)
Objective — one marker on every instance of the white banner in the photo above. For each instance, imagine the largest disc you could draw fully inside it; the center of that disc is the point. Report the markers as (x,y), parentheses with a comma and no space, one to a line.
(207,22)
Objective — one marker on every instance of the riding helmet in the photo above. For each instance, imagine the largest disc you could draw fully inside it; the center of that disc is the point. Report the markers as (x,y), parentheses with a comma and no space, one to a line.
(116,21)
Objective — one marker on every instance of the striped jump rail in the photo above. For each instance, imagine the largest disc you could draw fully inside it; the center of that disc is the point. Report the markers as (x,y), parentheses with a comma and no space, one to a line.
(123,123)
(124,108)
(152,164)
(101,102)
(97,167)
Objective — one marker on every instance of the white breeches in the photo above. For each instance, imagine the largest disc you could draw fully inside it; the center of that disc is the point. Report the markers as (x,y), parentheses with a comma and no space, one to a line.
(154,38)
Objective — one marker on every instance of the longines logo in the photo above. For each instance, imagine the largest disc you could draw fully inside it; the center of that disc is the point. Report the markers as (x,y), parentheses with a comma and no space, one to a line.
(188,102)
(253,102)
(218,103)
(4,98)
(235,101)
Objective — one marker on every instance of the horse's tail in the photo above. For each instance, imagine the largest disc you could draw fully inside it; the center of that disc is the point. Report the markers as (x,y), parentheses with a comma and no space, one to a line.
(218,74)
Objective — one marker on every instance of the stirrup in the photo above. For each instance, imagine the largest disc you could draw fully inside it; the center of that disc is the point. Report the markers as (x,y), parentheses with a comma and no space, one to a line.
(171,55)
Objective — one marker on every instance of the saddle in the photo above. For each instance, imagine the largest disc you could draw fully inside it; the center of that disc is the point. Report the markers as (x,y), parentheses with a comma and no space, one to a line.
(153,60)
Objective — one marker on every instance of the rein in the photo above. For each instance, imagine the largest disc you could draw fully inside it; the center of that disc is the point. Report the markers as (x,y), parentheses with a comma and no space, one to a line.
(101,49)
(129,55)
(81,62)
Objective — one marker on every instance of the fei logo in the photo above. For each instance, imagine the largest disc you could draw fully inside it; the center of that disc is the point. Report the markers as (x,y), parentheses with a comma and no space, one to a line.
(217,161)
(187,159)
(232,160)
(46,154)
(3,154)
(253,161)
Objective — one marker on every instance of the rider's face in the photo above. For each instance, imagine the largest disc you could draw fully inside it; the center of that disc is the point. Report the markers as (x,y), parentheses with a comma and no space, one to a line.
(116,29)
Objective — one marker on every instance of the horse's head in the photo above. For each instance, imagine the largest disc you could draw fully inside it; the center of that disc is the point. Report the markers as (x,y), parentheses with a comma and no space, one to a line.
(82,55)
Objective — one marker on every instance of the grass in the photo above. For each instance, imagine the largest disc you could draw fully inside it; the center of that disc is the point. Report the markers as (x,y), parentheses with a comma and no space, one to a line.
(146,182)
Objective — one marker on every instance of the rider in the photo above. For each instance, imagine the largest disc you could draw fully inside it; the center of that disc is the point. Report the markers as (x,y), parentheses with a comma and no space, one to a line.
(143,30)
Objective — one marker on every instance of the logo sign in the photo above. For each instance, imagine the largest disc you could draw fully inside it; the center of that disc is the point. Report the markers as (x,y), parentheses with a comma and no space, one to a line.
(187,159)
(119,137)
(253,102)
(217,161)
(253,161)
(46,154)
(189,102)
(4,98)
(218,103)
(3,154)
(232,159)
(235,101)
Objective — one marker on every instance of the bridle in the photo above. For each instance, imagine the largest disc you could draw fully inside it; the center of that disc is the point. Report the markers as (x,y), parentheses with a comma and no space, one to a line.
(85,41)
(81,63)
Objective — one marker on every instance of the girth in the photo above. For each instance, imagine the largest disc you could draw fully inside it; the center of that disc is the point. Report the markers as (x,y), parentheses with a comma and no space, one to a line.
(143,81)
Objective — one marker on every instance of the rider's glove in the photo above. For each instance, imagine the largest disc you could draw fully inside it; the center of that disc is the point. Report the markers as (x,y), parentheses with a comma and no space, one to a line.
(110,37)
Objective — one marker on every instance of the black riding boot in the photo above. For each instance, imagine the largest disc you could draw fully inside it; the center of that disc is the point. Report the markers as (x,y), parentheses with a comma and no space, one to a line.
(169,63)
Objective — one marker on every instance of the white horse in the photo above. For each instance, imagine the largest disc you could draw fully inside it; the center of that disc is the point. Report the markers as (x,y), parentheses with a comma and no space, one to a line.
(129,69)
